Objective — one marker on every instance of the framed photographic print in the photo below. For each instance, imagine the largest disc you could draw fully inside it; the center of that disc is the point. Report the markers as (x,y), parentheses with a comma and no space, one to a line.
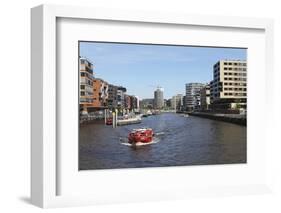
(130,106)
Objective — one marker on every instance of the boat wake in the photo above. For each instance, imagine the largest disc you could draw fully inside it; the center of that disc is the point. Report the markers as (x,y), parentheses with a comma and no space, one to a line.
(160,133)
(124,141)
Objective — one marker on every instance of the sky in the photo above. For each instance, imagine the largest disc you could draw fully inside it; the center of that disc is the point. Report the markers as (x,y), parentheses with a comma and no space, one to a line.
(142,67)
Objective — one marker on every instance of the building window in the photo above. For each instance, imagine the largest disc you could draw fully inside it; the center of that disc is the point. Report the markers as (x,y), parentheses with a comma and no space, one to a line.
(82,93)
(82,86)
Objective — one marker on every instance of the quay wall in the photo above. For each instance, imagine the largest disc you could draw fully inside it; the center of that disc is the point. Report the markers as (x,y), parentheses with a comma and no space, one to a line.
(236,119)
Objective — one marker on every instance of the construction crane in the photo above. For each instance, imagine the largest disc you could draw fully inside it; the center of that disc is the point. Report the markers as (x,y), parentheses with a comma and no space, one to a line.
(156,86)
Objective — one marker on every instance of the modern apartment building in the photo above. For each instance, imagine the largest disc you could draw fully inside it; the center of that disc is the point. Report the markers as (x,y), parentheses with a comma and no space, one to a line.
(100,93)
(184,103)
(159,98)
(192,93)
(131,103)
(167,103)
(177,102)
(147,103)
(86,84)
(229,85)
(121,91)
(174,102)
(134,103)
(128,102)
(205,97)
(112,97)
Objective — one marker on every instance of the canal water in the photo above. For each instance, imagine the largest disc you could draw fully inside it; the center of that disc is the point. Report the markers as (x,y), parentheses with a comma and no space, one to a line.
(179,141)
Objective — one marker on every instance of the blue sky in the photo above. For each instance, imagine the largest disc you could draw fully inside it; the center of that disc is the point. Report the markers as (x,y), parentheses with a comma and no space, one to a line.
(141,68)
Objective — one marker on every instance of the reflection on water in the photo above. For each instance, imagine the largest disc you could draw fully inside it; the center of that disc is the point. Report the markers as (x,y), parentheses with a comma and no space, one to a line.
(180,141)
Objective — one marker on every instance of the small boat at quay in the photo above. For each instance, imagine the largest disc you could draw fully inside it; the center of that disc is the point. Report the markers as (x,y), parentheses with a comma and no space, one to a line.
(127,121)
(142,135)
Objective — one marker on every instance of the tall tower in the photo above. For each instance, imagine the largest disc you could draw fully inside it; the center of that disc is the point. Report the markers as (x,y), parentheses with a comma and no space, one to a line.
(159,98)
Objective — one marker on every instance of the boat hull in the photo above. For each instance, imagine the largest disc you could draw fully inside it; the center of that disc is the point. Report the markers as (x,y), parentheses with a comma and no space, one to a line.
(140,135)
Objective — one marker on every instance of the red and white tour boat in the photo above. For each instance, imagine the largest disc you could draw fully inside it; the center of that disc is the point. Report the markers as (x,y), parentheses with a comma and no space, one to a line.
(143,135)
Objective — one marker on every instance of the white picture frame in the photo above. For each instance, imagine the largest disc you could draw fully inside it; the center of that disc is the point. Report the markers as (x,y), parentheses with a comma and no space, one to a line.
(44,147)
